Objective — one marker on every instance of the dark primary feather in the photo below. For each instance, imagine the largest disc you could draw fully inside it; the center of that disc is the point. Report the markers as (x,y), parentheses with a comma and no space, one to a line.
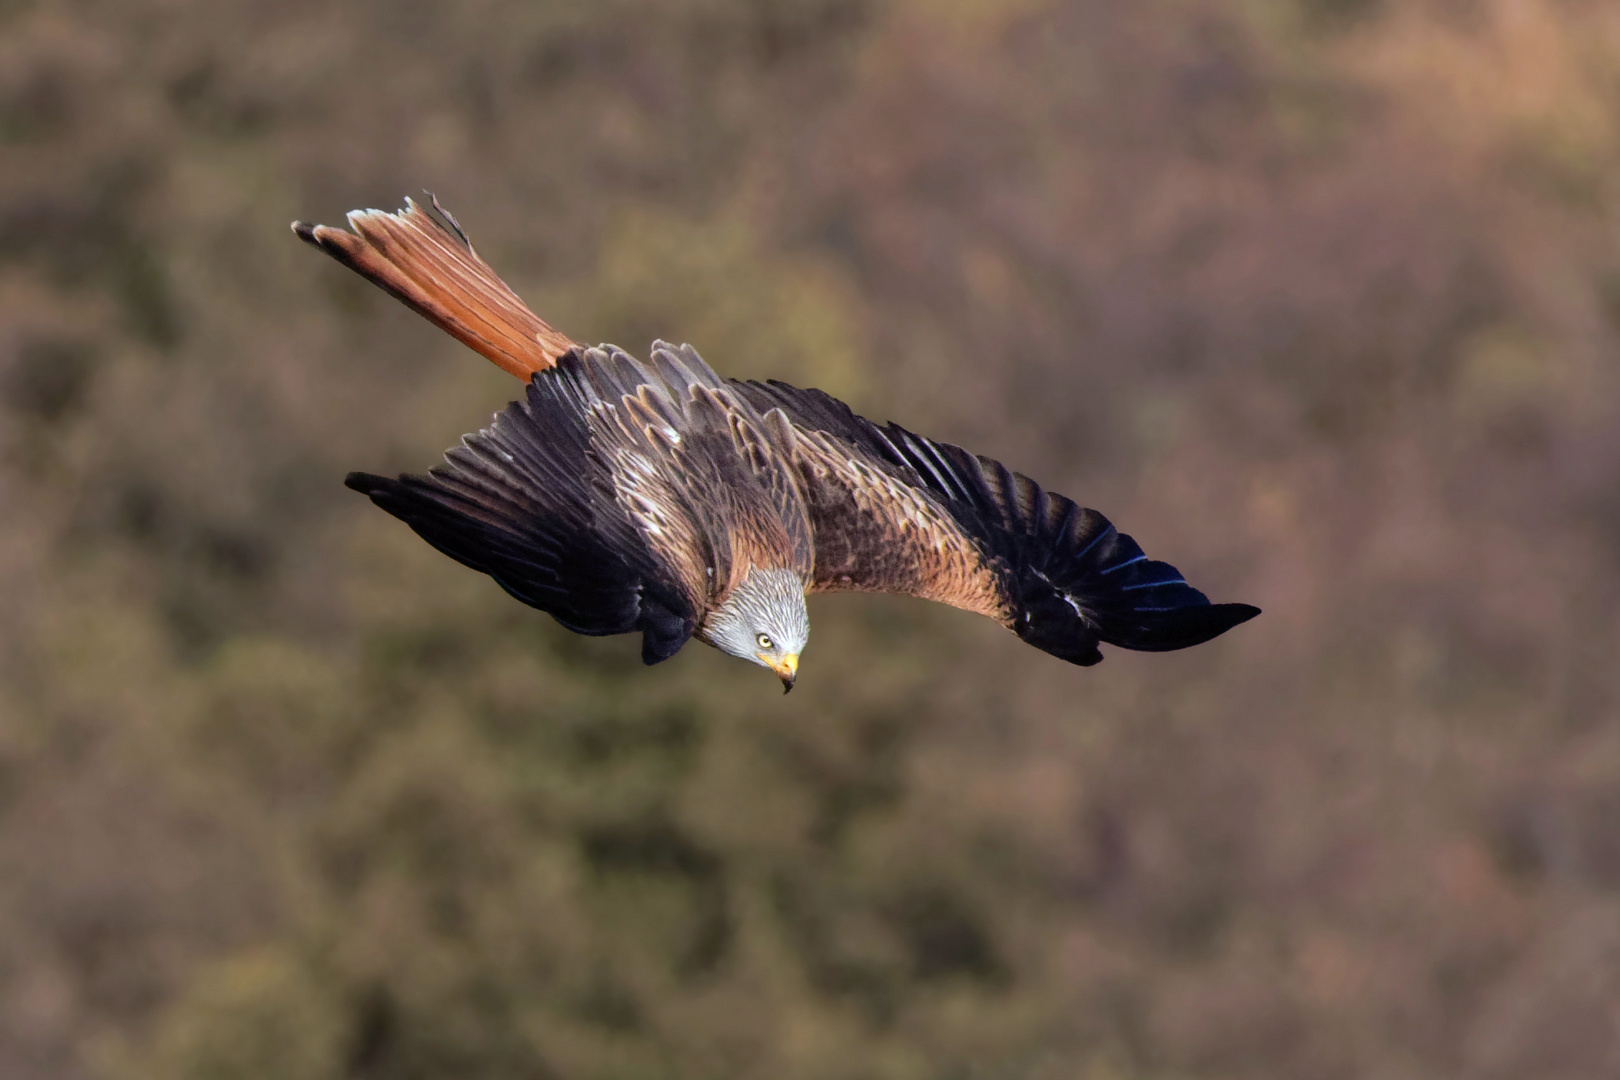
(1059,575)
(529,502)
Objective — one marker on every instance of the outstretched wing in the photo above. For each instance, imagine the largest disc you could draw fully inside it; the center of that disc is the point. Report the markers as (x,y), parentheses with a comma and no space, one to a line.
(895,512)
(529,503)
(430,265)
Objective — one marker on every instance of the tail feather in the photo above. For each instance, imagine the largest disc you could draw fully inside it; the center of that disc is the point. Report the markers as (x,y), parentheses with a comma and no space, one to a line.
(429,265)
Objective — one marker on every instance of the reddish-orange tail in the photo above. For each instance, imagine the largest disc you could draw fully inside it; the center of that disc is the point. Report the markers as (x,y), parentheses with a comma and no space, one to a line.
(431,266)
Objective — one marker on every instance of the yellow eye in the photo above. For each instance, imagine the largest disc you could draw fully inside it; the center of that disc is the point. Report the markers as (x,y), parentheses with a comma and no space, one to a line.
(764,641)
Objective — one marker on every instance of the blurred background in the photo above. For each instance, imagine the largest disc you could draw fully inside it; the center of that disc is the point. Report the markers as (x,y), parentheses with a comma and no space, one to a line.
(1319,299)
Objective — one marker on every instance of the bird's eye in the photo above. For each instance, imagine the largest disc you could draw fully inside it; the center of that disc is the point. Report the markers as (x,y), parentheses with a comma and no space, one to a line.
(764,641)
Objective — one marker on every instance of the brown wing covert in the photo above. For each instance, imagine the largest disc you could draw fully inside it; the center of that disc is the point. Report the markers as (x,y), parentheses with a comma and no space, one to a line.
(895,512)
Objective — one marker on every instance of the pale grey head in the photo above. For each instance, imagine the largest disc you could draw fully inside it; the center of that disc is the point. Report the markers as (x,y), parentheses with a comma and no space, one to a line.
(763,620)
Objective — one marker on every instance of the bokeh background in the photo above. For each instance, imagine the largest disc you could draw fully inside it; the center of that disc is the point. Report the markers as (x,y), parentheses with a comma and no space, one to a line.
(1319,299)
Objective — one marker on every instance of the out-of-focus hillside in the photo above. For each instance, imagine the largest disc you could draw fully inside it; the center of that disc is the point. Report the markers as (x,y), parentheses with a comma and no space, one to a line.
(1319,299)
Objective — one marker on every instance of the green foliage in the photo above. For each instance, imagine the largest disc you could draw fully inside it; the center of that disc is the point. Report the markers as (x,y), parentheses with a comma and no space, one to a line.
(256,1015)
(758,312)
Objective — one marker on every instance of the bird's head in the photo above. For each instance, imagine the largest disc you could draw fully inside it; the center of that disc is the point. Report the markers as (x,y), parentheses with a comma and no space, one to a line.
(763,620)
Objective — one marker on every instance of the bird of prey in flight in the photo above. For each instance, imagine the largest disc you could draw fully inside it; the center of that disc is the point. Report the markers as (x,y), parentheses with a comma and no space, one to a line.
(625,495)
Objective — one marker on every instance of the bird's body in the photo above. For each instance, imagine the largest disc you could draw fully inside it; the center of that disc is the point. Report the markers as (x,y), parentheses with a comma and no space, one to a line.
(657,497)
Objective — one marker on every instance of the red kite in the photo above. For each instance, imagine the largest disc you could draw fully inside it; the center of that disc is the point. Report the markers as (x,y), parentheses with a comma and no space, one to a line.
(623,495)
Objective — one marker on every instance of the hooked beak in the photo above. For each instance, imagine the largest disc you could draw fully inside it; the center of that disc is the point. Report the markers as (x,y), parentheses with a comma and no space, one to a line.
(787,670)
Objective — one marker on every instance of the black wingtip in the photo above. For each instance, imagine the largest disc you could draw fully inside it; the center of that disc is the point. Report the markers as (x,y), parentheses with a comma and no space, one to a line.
(305,232)
(1097,586)
(365,483)
(1179,628)
(1239,613)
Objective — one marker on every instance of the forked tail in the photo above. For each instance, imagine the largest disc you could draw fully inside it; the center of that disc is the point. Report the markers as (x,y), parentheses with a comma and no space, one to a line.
(431,266)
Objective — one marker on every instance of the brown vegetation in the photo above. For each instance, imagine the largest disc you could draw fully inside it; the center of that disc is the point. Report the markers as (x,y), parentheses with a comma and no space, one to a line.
(1319,299)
